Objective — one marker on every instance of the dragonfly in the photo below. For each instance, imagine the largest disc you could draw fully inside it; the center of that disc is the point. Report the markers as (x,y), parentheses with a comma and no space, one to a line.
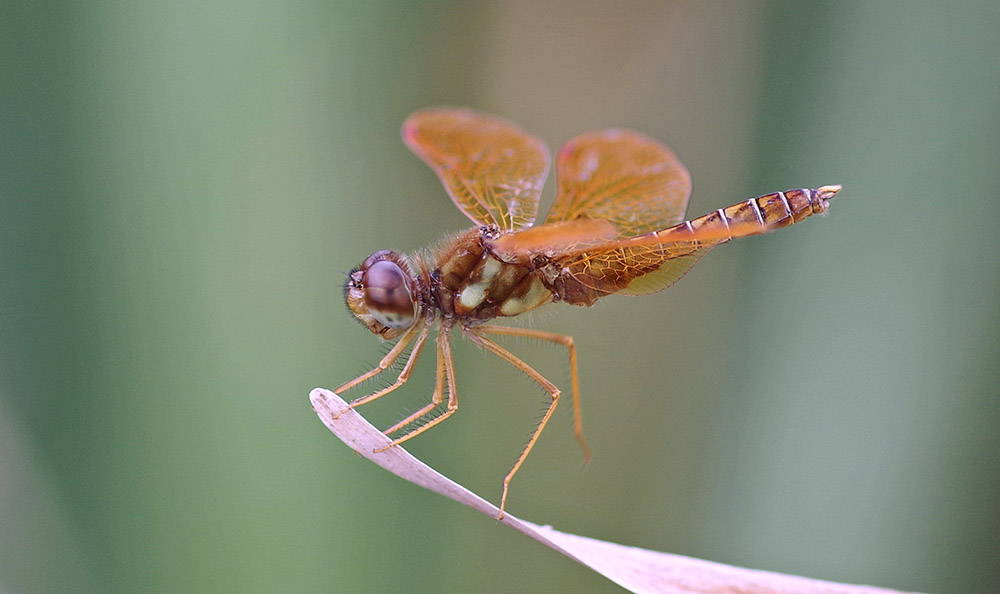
(616,227)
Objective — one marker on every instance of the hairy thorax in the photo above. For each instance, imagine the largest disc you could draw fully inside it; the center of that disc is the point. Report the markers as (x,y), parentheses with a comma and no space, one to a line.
(473,284)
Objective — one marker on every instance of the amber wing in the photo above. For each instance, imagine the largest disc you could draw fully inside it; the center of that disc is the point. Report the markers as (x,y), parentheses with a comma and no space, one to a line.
(622,177)
(492,170)
(626,268)
(613,185)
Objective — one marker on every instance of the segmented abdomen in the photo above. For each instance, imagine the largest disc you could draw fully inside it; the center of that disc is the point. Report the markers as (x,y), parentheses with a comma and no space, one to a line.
(653,261)
(757,215)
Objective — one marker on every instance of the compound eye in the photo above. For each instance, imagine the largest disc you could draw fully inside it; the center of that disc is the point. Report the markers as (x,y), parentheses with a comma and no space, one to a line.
(388,295)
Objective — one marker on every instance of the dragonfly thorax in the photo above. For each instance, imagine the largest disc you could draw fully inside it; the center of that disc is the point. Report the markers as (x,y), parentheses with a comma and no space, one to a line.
(473,284)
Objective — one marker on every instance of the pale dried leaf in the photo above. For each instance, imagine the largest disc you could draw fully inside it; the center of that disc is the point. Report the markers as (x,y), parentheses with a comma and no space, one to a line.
(638,570)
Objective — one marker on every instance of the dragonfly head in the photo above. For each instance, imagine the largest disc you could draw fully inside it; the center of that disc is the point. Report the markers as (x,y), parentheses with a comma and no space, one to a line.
(380,293)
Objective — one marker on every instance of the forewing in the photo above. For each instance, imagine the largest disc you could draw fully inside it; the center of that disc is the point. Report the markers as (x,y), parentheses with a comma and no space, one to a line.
(554,239)
(492,170)
(623,177)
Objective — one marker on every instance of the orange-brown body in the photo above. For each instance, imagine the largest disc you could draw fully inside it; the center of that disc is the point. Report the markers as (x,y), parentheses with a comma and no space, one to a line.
(616,227)
(474,283)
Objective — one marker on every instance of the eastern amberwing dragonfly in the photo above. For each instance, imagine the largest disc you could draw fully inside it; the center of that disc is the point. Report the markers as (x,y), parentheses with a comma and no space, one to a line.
(616,227)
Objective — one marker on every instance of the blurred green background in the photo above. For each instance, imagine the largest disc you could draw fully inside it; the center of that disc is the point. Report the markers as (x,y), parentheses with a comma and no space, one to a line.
(183,185)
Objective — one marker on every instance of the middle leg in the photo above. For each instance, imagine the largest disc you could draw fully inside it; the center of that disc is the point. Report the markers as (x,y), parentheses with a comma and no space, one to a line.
(566,341)
(476,336)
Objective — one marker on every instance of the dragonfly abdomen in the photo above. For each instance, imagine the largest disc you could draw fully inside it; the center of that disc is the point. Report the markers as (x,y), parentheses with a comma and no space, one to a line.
(759,215)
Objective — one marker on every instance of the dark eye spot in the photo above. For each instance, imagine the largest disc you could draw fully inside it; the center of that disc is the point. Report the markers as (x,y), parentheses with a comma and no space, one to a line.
(388,294)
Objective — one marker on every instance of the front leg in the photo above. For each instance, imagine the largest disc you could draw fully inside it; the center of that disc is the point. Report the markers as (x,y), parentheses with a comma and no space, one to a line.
(384,364)
(445,376)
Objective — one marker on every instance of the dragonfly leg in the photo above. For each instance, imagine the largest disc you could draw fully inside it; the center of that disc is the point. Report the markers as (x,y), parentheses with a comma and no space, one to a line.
(384,364)
(566,341)
(476,336)
(445,375)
